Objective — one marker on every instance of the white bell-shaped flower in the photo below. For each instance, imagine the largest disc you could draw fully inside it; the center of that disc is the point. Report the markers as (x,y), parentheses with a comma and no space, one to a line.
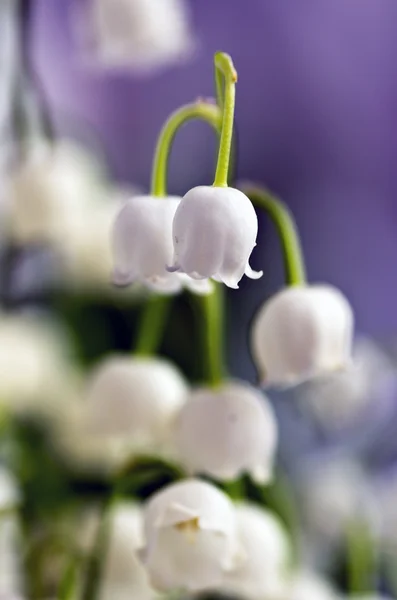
(227,431)
(135,396)
(267,551)
(307,585)
(302,332)
(338,399)
(50,192)
(142,246)
(214,233)
(335,494)
(123,574)
(191,536)
(142,35)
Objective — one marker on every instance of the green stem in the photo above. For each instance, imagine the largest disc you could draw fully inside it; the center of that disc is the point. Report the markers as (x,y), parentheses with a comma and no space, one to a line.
(211,323)
(224,65)
(294,263)
(361,558)
(152,325)
(68,583)
(205,111)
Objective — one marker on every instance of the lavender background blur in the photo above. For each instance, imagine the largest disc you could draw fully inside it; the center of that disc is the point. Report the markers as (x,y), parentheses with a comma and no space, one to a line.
(316,116)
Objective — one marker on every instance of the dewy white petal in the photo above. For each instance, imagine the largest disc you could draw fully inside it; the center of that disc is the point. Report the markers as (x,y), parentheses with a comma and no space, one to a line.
(135,396)
(227,431)
(142,35)
(302,332)
(267,552)
(142,242)
(191,536)
(214,233)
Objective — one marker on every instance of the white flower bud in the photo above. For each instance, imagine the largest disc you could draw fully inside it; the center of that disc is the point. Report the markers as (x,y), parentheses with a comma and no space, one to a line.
(267,551)
(307,585)
(335,494)
(214,233)
(49,193)
(302,332)
(190,530)
(338,399)
(143,35)
(142,245)
(123,574)
(135,397)
(226,431)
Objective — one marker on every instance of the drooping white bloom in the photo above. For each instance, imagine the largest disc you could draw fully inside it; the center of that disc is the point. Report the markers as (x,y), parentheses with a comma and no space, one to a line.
(226,431)
(142,245)
(142,35)
(50,191)
(34,362)
(335,494)
(267,550)
(123,573)
(191,536)
(135,397)
(337,399)
(308,585)
(302,332)
(214,233)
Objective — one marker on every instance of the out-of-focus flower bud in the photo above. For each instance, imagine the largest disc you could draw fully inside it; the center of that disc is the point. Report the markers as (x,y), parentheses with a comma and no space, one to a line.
(214,233)
(142,35)
(191,536)
(142,244)
(308,585)
(134,396)
(267,555)
(50,191)
(302,332)
(227,431)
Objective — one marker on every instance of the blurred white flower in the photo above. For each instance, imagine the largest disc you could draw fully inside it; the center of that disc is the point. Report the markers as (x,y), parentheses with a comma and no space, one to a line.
(35,363)
(191,536)
(214,233)
(123,574)
(336,493)
(135,396)
(142,244)
(49,193)
(227,431)
(337,399)
(302,332)
(10,549)
(267,555)
(141,35)
(307,585)
(385,492)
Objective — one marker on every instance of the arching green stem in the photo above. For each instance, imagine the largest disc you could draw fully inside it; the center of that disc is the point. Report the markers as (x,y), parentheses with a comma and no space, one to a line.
(294,264)
(205,111)
(151,325)
(224,65)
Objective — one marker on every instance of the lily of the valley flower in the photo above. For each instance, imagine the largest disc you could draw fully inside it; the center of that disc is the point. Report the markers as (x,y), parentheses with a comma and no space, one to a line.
(138,397)
(143,35)
(302,332)
(50,191)
(123,574)
(226,431)
(214,233)
(142,245)
(191,536)
(265,543)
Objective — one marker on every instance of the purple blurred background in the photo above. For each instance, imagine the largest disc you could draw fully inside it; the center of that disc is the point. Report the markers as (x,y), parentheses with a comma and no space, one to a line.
(316,118)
